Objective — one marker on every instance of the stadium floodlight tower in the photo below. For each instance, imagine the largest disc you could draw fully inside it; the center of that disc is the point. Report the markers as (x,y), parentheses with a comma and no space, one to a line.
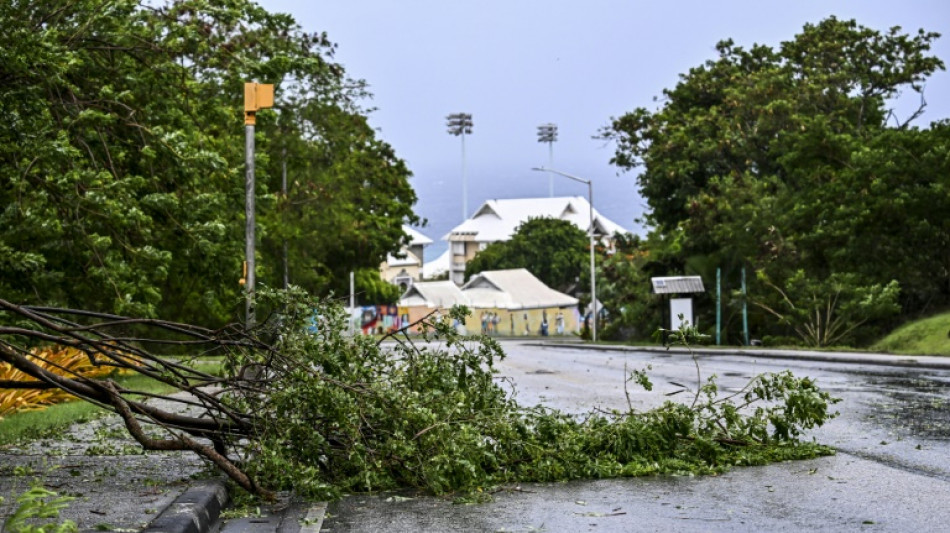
(460,124)
(547,133)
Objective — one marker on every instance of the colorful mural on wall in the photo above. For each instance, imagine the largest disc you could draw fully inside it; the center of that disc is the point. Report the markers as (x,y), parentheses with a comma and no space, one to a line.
(380,319)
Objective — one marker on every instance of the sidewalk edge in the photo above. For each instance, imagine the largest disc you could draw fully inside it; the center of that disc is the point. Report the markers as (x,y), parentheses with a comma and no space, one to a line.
(867,358)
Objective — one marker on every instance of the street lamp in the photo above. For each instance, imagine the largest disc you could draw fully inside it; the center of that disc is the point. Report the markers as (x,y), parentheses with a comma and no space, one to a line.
(547,133)
(460,124)
(590,232)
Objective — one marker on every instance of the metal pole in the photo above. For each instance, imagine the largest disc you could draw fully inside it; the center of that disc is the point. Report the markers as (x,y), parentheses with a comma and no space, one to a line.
(249,224)
(547,133)
(551,164)
(718,304)
(352,303)
(460,124)
(283,192)
(593,277)
(745,313)
(464,181)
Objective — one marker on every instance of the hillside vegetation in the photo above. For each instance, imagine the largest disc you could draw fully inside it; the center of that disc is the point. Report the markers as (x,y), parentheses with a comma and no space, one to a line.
(930,336)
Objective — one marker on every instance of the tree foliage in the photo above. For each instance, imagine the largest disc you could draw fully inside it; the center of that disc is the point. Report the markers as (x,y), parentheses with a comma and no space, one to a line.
(305,407)
(554,250)
(624,284)
(122,157)
(788,159)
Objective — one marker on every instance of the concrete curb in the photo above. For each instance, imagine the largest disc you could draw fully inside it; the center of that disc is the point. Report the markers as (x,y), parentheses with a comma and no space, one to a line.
(864,358)
(195,511)
(313,520)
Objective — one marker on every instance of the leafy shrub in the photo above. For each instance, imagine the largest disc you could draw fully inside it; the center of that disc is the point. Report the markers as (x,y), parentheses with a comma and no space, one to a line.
(344,414)
(34,505)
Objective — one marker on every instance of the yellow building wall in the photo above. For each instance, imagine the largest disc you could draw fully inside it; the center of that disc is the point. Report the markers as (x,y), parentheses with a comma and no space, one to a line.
(524,322)
(510,323)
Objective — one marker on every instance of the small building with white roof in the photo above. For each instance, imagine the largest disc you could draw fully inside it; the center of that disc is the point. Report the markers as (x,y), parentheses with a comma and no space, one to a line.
(503,302)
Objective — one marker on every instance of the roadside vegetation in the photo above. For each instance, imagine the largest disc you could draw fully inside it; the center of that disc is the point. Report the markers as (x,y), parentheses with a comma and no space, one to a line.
(29,421)
(788,163)
(928,336)
(303,406)
(122,175)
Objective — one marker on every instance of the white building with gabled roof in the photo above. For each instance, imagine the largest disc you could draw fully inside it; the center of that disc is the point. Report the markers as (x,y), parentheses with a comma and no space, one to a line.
(497,220)
(404,268)
(514,288)
(433,295)
(502,302)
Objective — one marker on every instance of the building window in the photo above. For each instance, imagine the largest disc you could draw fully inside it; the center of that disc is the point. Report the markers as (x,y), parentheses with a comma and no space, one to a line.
(458,248)
(404,282)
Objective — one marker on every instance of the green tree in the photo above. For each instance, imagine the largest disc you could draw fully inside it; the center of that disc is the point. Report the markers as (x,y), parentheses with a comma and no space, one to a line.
(829,311)
(624,288)
(121,159)
(556,251)
(787,160)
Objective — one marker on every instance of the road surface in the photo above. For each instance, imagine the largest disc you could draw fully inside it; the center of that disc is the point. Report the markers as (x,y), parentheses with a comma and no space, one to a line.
(891,473)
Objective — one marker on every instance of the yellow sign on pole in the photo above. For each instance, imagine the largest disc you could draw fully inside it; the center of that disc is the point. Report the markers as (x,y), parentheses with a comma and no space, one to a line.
(257,96)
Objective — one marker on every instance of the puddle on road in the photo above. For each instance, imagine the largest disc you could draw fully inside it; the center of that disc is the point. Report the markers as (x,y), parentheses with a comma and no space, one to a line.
(917,404)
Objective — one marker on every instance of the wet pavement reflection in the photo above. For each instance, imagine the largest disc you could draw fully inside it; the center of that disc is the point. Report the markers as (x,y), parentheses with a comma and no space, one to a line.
(891,472)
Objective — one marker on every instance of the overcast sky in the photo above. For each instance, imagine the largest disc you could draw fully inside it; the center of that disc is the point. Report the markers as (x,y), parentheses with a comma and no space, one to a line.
(516,64)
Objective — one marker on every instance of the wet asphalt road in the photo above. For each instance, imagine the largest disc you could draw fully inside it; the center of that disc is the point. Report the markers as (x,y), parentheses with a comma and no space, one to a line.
(891,473)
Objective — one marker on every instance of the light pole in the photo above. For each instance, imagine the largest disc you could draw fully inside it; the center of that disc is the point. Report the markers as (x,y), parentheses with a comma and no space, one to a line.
(590,232)
(460,124)
(257,96)
(547,133)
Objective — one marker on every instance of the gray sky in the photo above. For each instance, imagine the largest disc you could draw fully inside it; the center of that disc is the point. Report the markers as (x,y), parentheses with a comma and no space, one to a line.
(516,64)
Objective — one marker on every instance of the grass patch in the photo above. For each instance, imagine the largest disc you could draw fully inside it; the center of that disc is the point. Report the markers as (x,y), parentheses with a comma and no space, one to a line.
(52,421)
(45,423)
(930,336)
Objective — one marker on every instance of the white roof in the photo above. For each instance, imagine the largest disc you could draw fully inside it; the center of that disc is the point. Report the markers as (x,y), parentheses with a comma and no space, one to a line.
(409,260)
(497,220)
(415,237)
(513,289)
(677,284)
(433,294)
(437,266)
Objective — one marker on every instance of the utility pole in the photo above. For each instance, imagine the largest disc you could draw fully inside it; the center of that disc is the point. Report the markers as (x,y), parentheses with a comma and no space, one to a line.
(745,310)
(718,304)
(283,192)
(257,96)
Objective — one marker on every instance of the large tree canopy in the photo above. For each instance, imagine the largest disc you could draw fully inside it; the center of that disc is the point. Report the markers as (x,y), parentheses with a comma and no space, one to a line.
(122,157)
(788,160)
(555,251)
